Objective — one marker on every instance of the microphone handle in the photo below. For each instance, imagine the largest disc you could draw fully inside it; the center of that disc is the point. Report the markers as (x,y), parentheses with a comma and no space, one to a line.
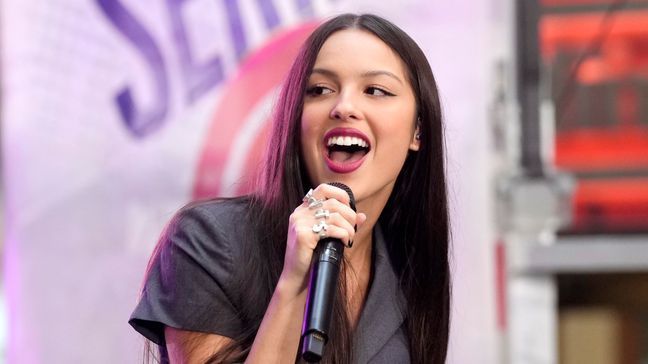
(321,295)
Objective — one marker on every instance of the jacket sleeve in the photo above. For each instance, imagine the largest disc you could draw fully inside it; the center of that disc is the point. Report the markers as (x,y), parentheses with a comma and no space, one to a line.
(188,281)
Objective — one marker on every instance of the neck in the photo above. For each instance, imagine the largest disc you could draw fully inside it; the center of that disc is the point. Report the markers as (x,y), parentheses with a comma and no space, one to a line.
(358,273)
(371,206)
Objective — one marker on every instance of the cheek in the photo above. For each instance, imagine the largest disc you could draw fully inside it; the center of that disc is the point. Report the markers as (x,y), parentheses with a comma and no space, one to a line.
(313,120)
(308,133)
(309,146)
(308,124)
(395,143)
(396,152)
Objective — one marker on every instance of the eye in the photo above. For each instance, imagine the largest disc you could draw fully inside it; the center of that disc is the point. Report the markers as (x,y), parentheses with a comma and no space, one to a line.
(376,91)
(318,90)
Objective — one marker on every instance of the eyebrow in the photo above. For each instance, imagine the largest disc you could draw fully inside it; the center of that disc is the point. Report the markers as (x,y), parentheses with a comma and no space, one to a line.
(329,73)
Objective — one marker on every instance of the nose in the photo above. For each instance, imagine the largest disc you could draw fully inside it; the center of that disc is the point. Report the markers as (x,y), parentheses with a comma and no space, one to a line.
(345,108)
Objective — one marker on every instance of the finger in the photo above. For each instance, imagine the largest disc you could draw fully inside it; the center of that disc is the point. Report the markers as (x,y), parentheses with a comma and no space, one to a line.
(361,218)
(337,232)
(326,191)
(304,228)
(305,236)
(334,205)
(338,220)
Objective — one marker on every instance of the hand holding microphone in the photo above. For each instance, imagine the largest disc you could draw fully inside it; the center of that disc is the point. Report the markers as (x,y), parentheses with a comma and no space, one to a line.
(339,218)
(322,285)
(325,213)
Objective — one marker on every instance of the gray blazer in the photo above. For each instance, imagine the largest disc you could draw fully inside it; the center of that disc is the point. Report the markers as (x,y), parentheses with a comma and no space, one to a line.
(189,285)
(380,336)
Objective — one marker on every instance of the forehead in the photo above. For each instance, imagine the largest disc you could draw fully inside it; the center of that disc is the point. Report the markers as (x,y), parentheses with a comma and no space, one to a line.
(359,50)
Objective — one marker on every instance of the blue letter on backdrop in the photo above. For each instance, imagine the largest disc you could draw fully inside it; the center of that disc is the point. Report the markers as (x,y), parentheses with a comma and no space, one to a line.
(198,78)
(305,7)
(269,12)
(236,28)
(139,122)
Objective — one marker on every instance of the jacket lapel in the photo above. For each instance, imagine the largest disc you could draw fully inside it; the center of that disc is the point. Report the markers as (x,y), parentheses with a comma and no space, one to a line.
(384,310)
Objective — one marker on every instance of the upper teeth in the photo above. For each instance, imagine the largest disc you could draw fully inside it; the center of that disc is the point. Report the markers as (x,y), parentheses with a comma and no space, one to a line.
(346,140)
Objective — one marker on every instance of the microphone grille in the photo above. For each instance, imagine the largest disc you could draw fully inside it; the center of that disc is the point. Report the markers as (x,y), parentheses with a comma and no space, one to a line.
(348,191)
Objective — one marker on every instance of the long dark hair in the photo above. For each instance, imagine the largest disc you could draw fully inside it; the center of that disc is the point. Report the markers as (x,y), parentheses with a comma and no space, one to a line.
(414,221)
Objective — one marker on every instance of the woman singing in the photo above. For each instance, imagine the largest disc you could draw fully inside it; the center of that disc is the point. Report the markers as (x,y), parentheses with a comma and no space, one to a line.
(228,280)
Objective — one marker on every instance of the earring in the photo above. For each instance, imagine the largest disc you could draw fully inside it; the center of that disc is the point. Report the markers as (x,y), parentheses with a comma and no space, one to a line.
(418,127)
(418,135)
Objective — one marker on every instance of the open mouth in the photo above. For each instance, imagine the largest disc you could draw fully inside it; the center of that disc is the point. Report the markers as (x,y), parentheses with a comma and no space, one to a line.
(346,149)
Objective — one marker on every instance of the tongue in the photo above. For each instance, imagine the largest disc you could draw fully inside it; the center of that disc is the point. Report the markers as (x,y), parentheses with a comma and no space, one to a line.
(346,157)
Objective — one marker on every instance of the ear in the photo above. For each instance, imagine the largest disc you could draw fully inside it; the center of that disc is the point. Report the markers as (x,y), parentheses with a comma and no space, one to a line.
(415,144)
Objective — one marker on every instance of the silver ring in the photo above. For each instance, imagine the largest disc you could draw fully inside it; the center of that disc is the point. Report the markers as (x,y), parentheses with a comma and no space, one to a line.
(308,198)
(320,227)
(315,204)
(322,213)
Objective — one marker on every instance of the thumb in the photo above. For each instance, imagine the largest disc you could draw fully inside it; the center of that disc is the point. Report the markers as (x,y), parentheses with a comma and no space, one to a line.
(361,218)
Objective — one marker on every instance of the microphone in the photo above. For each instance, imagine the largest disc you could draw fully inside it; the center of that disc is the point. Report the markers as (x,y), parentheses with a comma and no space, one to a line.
(322,287)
